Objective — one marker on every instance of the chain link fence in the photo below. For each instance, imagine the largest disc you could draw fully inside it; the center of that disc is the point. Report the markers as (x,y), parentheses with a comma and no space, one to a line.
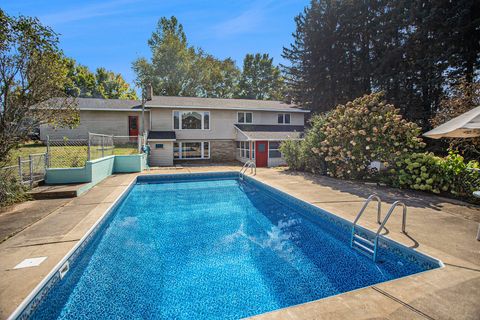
(29,170)
(72,153)
(100,146)
(67,153)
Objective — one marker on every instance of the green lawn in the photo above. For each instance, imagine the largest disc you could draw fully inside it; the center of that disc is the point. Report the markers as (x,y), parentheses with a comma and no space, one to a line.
(68,156)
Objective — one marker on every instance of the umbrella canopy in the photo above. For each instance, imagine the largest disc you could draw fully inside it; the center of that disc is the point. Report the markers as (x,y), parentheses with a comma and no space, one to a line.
(466,125)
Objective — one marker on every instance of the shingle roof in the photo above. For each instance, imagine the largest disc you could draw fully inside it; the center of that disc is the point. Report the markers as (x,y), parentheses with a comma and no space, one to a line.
(161,135)
(271,132)
(108,104)
(101,104)
(218,103)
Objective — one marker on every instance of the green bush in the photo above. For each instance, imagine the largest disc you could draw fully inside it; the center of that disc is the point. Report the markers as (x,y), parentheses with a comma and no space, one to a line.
(291,151)
(362,131)
(302,155)
(427,172)
(11,191)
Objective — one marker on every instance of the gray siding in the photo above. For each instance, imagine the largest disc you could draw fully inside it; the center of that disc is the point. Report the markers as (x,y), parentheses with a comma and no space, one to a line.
(104,122)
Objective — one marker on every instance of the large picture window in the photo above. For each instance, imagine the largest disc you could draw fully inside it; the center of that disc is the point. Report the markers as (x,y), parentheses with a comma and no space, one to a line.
(244,117)
(191,150)
(191,120)
(243,150)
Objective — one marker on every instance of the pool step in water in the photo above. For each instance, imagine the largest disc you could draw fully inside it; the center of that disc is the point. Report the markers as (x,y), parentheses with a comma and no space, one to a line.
(363,245)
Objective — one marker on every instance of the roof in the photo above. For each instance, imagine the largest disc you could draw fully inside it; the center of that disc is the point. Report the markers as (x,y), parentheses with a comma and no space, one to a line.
(221,104)
(161,135)
(102,104)
(271,132)
(109,104)
(466,125)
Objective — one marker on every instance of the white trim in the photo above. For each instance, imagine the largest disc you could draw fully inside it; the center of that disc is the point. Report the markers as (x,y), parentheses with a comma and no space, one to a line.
(192,141)
(230,108)
(244,117)
(283,116)
(165,140)
(126,110)
(185,111)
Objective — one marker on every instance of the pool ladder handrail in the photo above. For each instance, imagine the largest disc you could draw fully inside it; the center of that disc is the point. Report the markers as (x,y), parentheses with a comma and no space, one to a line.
(367,246)
(249,164)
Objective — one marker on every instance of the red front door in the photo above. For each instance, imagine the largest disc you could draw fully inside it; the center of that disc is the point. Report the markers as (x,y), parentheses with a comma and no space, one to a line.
(261,153)
(133,125)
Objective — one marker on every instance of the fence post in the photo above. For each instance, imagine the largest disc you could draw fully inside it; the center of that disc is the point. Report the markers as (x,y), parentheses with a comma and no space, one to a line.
(48,151)
(31,170)
(103,146)
(88,148)
(20,174)
(46,161)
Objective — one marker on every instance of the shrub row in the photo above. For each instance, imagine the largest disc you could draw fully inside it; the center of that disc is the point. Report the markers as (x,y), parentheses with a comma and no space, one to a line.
(344,142)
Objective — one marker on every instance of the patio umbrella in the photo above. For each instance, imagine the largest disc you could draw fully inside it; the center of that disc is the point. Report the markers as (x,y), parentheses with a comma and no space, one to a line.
(466,125)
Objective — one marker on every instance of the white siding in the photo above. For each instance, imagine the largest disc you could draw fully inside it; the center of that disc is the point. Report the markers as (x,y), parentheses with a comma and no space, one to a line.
(268,117)
(161,157)
(275,162)
(221,123)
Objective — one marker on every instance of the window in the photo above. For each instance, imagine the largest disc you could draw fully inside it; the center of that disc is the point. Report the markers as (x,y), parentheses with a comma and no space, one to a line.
(273,151)
(133,122)
(159,146)
(191,150)
(192,120)
(244,117)
(284,118)
(243,149)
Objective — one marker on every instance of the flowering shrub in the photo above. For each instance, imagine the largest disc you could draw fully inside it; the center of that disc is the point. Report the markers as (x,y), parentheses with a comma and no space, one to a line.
(364,130)
(427,172)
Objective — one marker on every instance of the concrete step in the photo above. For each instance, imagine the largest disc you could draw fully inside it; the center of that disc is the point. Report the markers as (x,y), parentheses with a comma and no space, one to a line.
(56,191)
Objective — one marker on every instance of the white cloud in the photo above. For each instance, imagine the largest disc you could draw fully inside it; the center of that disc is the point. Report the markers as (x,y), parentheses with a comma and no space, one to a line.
(109,8)
(248,21)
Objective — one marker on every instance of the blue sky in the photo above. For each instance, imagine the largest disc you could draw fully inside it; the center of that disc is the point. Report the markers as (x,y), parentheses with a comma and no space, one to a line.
(113,33)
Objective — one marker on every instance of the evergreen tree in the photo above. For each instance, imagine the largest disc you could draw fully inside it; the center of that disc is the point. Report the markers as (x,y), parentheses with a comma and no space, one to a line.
(413,50)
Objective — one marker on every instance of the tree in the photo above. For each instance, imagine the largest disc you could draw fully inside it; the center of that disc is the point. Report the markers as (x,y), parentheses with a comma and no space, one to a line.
(81,81)
(260,79)
(103,83)
(33,76)
(178,69)
(413,51)
(111,85)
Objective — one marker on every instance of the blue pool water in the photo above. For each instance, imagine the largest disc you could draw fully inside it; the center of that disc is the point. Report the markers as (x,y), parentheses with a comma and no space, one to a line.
(220,249)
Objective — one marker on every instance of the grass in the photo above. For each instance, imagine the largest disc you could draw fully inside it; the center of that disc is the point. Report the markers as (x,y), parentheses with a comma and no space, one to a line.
(67,156)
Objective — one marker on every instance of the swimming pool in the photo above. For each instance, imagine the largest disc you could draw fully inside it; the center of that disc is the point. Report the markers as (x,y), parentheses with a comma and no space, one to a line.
(210,246)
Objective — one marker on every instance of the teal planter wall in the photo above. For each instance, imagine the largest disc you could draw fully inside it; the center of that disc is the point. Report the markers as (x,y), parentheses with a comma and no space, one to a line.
(96,170)
(129,163)
(66,175)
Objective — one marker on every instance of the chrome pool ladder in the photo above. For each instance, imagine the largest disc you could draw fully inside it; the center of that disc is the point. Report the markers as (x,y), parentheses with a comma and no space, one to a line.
(249,164)
(367,246)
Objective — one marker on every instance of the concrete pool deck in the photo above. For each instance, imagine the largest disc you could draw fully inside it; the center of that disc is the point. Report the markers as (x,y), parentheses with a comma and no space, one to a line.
(443,228)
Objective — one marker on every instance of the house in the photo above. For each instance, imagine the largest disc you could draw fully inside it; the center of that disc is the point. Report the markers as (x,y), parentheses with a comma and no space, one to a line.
(185,129)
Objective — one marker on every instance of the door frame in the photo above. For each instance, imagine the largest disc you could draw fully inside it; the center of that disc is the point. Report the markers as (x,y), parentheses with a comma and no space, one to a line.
(129,127)
(257,153)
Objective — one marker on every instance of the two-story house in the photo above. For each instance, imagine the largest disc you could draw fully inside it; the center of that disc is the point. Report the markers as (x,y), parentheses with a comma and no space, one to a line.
(184,129)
